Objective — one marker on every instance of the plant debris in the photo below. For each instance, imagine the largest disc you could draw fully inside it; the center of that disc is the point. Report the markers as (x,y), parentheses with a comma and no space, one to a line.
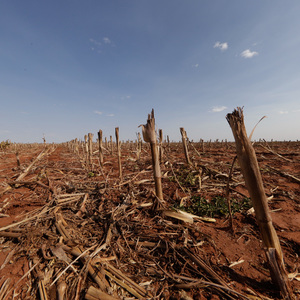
(70,229)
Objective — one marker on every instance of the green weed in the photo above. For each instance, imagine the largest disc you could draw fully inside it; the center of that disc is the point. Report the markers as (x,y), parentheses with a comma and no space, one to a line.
(217,207)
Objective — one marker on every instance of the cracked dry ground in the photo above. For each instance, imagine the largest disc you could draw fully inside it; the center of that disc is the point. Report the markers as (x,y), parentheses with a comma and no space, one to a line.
(67,226)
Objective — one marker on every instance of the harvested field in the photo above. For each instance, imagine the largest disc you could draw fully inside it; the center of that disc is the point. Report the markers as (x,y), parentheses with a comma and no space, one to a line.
(68,226)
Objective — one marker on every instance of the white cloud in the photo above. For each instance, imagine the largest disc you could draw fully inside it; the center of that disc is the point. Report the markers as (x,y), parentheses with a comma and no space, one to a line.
(126,97)
(283,112)
(99,45)
(248,54)
(221,46)
(96,45)
(106,40)
(296,111)
(110,115)
(218,108)
(196,65)
(95,42)
(98,112)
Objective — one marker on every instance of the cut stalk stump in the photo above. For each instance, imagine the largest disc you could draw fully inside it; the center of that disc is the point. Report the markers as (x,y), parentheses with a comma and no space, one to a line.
(149,136)
(250,170)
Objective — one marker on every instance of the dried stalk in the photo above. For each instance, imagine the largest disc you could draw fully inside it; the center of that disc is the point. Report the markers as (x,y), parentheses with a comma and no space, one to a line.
(96,294)
(80,254)
(90,148)
(203,283)
(45,210)
(283,174)
(11,235)
(186,153)
(149,136)
(100,148)
(61,290)
(124,281)
(80,283)
(160,145)
(82,209)
(8,258)
(40,277)
(29,183)
(26,171)
(76,147)
(44,152)
(111,146)
(227,193)
(86,148)
(18,159)
(4,289)
(118,152)
(275,153)
(139,146)
(195,149)
(209,271)
(185,216)
(250,169)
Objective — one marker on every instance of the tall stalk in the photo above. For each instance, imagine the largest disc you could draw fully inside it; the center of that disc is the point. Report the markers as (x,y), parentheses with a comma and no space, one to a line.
(90,150)
(161,153)
(149,136)
(111,145)
(100,148)
(118,151)
(184,137)
(250,170)
(86,148)
(139,146)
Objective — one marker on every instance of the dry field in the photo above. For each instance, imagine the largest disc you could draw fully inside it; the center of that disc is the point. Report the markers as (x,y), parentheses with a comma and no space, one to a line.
(70,228)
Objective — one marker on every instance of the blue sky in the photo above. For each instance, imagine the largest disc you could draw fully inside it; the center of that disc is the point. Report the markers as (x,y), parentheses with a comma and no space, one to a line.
(70,67)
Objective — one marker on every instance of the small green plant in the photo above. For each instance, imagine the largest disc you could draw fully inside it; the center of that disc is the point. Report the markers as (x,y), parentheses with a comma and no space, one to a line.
(91,174)
(216,207)
(186,178)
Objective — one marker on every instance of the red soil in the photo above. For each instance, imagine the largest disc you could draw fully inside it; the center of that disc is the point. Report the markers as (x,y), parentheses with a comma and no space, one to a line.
(219,247)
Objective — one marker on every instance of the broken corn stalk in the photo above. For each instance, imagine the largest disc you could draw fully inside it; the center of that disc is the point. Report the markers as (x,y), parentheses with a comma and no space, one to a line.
(149,136)
(250,170)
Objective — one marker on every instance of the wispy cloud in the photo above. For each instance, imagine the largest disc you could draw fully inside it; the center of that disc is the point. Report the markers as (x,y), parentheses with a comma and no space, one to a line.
(296,110)
(221,46)
(126,97)
(218,108)
(95,42)
(98,46)
(283,112)
(106,40)
(95,45)
(196,65)
(98,112)
(248,53)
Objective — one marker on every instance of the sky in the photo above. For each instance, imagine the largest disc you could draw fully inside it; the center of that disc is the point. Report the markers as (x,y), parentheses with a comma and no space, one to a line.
(70,67)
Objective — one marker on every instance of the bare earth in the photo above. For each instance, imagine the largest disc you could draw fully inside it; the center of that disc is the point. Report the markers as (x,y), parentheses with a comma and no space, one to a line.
(130,247)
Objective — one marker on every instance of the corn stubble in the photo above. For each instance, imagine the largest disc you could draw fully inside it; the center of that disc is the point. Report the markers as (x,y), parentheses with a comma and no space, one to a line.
(250,169)
(149,136)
